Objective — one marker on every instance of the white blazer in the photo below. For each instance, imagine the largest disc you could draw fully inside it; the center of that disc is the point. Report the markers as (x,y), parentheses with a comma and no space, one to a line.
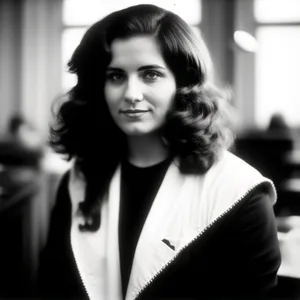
(184,207)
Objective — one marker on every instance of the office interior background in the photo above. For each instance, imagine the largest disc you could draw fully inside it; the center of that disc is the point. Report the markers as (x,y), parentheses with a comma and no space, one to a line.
(255,46)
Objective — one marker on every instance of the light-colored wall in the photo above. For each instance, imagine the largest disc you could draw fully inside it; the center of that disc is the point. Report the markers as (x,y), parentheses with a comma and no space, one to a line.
(217,28)
(234,68)
(30,67)
(10,59)
(41,59)
(244,67)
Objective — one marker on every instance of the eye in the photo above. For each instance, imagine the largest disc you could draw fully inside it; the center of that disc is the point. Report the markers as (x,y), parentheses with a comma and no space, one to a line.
(151,75)
(115,77)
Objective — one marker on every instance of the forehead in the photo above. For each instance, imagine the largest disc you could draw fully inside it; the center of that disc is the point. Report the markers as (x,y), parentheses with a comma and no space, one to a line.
(136,51)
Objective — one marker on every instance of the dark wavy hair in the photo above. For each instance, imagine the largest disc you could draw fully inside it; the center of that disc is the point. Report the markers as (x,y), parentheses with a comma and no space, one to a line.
(195,130)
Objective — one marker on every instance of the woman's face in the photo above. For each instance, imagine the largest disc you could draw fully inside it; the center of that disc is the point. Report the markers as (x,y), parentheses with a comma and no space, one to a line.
(139,87)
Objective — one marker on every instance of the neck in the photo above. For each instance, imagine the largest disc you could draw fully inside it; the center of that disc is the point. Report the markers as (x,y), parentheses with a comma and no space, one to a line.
(145,151)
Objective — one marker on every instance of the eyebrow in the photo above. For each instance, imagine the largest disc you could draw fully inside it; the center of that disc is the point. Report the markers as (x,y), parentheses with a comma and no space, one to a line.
(143,68)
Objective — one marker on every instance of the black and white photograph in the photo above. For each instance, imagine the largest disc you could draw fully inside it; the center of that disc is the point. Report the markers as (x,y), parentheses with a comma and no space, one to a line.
(150,150)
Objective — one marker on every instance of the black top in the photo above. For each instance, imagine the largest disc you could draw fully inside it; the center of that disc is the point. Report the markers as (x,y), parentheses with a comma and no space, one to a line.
(139,187)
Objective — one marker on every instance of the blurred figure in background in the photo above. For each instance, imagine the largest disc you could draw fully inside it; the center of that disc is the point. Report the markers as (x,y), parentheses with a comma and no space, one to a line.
(23,133)
(278,124)
(21,151)
(266,149)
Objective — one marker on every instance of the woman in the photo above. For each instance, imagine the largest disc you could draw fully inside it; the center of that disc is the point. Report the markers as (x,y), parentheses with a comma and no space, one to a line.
(155,206)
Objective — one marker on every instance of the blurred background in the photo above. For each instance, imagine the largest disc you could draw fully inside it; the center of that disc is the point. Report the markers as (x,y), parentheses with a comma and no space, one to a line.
(255,47)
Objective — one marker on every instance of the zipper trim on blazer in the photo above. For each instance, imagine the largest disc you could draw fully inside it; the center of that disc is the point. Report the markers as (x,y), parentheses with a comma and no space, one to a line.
(76,264)
(138,294)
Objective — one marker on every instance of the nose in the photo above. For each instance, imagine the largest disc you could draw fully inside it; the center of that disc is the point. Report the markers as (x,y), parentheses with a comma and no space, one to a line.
(133,92)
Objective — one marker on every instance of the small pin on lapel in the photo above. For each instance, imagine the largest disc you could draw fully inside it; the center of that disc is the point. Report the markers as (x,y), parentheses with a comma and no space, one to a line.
(167,242)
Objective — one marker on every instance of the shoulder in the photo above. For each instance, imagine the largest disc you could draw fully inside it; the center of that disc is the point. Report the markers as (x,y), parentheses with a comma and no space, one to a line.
(228,183)
(251,234)
(254,227)
(257,206)
(253,224)
(236,178)
(232,165)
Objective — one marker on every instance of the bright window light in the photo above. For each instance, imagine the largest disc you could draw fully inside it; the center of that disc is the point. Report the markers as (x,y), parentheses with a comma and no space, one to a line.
(86,12)
(277,74)
(277,10)
(245,41)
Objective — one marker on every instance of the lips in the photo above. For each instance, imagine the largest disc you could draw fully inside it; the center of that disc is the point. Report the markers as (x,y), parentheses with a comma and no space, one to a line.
(134,115)
(134,111)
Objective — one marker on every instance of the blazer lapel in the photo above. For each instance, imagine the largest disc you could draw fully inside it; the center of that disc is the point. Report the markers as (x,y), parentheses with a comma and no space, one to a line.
(163,234)
(97,253)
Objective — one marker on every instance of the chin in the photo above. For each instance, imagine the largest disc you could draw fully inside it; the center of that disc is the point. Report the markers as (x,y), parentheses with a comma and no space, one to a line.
(138,131)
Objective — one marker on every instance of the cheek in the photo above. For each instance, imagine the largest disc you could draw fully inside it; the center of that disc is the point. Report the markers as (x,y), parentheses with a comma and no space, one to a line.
(112,95)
